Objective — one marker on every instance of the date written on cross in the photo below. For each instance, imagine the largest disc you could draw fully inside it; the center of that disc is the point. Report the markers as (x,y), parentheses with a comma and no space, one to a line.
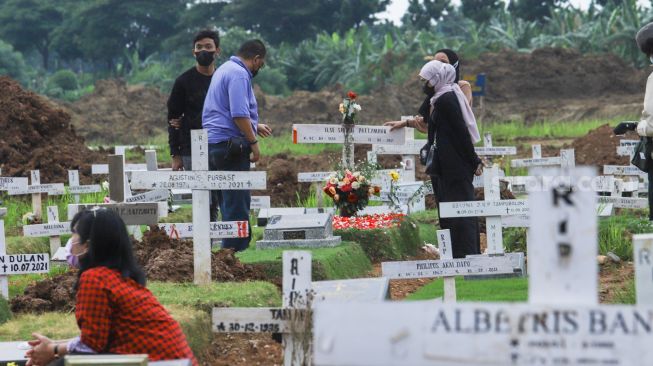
(202,180)
(447,267)
(484,208)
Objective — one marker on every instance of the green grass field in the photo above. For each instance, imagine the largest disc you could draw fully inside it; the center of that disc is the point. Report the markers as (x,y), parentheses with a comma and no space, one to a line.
(490,290)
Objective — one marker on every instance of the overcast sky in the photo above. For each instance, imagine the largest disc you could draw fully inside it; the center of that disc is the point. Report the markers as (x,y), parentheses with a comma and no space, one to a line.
(397,8)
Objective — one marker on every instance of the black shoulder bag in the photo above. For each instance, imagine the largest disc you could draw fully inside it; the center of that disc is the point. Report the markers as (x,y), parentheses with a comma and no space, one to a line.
(428,154)
(641,156)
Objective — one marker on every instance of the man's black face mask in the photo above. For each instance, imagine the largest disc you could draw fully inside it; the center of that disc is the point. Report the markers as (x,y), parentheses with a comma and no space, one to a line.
(204,58)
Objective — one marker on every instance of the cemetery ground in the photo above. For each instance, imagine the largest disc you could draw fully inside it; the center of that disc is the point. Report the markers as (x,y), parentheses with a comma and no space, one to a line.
(252,278)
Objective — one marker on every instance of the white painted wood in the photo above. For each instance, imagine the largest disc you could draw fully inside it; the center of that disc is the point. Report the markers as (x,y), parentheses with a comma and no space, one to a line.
(120,150)
(11,264)
(253,320)
(49,229)
(493,228)
(151,196)
(474,266)
(446,253)
(18,183)
(484,208)
(493,151)
(563,238)
(536,151)
(567,158)
(334,134)
(487,139)
(296,284)
(259,202)
(73,182)
(523,163)
(4,281)
(97,169)
(411,147)
(150,160)
(53,189)
(626,143)
(140,213)
(313,177)
(622,170)
(199,180)
(217,230)
(35,177)
(77,190)
(53,218)
(201,208)
(625,150)
(624,202)
(417,333)
(371,157)
(643,259)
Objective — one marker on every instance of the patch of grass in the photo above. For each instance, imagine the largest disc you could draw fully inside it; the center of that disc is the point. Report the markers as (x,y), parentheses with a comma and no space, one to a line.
(627,295)
(616,233)
(283,144)
(26,245)
(514,129)
(238,294)
(386,244)
(492,290)
(183,214)
(344,261)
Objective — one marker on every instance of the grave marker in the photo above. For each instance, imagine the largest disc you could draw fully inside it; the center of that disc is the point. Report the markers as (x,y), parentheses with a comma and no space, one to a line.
(489,149)
(217,230)
(259,202)
(643,260)
(446,253)
(142,213)
(16,182)
(35,189)
(299,231)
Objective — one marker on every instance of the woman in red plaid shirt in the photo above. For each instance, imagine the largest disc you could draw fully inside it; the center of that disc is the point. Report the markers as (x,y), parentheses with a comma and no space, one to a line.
(115,312)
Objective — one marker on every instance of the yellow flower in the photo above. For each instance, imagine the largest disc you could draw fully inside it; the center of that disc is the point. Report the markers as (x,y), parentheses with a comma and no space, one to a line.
(394,175)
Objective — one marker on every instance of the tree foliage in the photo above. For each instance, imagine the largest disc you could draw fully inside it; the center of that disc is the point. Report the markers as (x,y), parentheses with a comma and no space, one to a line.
(422,14)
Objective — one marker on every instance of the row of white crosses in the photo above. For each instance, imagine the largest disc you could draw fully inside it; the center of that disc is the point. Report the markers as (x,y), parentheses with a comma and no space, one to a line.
(562,323)
(200,180)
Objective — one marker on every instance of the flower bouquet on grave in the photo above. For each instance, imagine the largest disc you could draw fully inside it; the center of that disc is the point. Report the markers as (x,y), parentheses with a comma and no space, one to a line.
(350,191)
(349,108)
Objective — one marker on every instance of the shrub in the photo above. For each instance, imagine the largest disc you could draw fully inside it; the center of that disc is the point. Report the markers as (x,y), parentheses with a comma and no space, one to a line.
(65,80)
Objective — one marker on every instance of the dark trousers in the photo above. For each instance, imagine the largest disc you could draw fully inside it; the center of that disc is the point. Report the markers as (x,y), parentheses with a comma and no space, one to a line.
(465,238)
(234,204)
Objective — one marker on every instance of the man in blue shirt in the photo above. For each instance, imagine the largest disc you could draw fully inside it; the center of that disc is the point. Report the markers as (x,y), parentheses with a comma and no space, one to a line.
(230,116)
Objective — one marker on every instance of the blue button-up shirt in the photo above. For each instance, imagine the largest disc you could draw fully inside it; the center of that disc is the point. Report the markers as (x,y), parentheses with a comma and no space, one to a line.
(230,95)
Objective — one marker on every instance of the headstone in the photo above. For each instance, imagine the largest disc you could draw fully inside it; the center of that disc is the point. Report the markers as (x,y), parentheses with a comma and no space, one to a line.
(643,260)
(259,202)
(131,213)
(299,231)
(264,214)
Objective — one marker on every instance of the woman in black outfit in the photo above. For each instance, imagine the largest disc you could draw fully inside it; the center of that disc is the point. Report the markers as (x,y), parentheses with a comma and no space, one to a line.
(453,127)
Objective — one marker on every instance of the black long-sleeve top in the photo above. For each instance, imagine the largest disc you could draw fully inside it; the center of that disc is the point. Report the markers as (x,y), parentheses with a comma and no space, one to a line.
(456,152)
(187,100)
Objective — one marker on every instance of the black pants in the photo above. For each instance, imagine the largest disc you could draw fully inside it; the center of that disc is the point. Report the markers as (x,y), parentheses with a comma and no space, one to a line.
(465,237)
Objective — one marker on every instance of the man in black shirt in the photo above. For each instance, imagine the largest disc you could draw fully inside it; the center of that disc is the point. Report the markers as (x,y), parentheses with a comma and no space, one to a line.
(187,98)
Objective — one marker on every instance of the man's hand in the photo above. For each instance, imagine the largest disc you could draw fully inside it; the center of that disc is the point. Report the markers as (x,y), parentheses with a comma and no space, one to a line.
(175,123)
(479,170)
(256,153)
(42,351)
(177,163)
(264,130)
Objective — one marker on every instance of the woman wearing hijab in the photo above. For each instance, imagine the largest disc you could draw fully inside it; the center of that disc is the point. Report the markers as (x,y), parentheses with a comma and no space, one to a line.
(420,121)
(453,129)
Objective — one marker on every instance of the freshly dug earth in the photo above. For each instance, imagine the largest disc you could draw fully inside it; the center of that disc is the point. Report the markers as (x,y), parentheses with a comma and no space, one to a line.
(50,294)
(171,260)
(240,349)
(120,114)
(37,134)
(614,280)
(599,147)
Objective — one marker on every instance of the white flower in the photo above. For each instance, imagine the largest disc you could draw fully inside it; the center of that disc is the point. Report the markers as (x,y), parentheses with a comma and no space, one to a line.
(356,174)
(333,180)
(105,185)
(361,179)
(357,107)
(355,185)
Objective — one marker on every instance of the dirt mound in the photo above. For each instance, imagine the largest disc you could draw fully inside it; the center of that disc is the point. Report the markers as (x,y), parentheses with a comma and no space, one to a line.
(171,260)
(38,135)
(599,147)
(50,294)
(121,114)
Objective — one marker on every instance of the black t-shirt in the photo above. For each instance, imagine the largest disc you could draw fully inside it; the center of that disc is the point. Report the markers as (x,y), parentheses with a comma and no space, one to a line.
(187,100)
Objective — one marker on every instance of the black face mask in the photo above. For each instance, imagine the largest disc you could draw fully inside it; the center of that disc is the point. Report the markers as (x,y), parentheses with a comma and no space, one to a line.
(254,73)
(204,58)
(428,90)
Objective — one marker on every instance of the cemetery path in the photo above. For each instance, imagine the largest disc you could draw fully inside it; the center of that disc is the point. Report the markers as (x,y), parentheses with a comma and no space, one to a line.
(615,279)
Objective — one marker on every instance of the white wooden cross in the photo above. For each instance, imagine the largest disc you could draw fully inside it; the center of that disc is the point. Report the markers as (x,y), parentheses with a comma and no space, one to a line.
(489,149)
(643,260)
(561,325)
(201,181)
(53,229)
(408,151)
(75,189)
(335,134)
(317,179)
(15,182)
(18,263)
(566,159)
(35,189)
(446,253)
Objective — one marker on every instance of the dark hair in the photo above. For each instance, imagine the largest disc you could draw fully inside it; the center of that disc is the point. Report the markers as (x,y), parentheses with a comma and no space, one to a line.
(453,60)
(647,47)
(251,49)
(206,33)
(108,243)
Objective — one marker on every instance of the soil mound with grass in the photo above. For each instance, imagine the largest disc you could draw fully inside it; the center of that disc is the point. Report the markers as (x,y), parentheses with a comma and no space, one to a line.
(599,147)
(171,260)
(37,134)
(50,294)
(117,113)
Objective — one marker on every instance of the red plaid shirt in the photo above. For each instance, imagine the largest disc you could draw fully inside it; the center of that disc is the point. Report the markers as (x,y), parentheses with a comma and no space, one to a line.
(117,315)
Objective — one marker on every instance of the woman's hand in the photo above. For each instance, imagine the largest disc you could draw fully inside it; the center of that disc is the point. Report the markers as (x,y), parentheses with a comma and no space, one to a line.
(395,125)
(479,170)
(42,351)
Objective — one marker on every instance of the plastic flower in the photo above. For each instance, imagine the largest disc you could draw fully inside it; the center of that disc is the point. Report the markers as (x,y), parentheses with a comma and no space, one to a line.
(352,198)
(342,108)
(355,185)
(332,190)
(356,174)
(357,107)
(352,95)
(105,185)
(361,179)
(394,175)
(336,197)
(333,180)
(371,191)
(346,181)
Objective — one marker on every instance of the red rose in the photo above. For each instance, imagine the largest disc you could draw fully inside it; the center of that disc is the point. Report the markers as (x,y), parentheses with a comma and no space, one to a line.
(346,188)
(351,95)
(352,198)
